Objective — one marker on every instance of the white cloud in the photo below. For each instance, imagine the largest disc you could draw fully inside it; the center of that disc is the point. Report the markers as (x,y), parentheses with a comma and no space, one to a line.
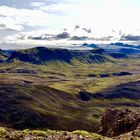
(61,8)
(44,36)
(7,23)
(11,26)
(102,16)
(37,4)
(14,18)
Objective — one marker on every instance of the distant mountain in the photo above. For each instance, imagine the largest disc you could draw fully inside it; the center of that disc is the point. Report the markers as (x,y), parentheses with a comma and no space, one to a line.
(98,55)
(129,51)
(90,45)
(116,50)
(126,49)
(125,45)
(41,55)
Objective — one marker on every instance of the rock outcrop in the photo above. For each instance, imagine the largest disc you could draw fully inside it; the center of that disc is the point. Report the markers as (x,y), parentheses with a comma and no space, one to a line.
(115,122)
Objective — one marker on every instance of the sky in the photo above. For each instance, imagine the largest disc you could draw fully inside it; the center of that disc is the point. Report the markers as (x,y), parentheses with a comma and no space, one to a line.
(32,21)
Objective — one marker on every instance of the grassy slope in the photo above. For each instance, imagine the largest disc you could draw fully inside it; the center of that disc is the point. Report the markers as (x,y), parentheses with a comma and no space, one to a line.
(8,134)
(24,105)
(70,79)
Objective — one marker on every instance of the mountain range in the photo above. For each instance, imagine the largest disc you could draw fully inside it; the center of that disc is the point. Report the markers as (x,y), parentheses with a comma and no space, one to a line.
(41,55)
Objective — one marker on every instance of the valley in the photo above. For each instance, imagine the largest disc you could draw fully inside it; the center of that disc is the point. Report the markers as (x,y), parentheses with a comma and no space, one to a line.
(69,70)
(43,88)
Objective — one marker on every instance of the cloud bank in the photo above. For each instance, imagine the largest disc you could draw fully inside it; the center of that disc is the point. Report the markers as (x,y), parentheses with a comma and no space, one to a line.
(130,38)
(70,20)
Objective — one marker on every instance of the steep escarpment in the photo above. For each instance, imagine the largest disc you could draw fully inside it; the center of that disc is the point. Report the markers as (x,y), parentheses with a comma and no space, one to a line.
(41,55)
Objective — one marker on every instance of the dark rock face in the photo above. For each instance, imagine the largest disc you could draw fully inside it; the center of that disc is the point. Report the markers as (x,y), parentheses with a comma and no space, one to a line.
(115,122)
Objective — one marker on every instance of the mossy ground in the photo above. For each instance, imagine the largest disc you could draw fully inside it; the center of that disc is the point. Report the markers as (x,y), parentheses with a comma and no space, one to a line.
(8,134)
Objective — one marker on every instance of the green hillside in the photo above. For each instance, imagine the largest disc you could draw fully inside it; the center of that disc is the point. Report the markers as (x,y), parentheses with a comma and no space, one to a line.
(43,88)
(42,55)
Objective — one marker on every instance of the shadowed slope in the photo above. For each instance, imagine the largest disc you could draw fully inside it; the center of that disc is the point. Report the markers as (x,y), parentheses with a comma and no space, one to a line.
(129,90)
(41,55)
(36,106)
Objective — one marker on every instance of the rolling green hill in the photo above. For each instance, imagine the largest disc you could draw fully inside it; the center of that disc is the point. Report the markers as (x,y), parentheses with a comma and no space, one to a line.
(38,106)
(41,55)
(65,89)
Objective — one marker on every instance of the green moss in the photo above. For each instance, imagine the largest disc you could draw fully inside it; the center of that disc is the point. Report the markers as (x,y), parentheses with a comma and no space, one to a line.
(43,133)
(38,133)
(3,131)
(88,134)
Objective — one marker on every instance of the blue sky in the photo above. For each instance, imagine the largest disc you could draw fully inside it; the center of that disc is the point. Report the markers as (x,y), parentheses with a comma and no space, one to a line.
(95,19)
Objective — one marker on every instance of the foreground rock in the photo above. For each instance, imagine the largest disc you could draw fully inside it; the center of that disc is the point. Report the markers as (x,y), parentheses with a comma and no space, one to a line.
(116,122)
(132,135)
(11,134)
